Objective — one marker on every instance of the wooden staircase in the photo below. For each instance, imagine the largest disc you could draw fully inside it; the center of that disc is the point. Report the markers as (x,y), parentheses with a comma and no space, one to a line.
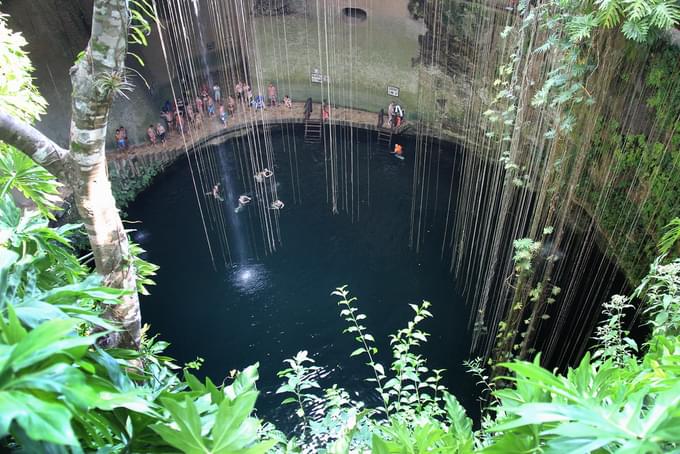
(313,131)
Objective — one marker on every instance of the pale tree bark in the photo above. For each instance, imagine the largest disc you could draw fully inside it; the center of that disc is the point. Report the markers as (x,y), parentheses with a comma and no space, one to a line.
(83,167)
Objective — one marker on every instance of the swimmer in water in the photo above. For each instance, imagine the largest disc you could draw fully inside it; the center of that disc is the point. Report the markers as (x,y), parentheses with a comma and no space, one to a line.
(243,200)
(260,176)
(277,205)
(398,151)
(216,192)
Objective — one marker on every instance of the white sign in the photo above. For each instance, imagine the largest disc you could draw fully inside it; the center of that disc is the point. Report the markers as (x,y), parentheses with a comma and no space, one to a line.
(393,91)
(317,77)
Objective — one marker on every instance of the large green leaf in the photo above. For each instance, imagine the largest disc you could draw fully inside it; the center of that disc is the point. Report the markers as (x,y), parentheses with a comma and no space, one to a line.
(55,336)
(40,419)
(187,437)
(230,432)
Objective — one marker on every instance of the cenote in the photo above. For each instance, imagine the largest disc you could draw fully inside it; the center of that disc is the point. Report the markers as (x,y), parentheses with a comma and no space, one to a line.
(508,167)
(268,307)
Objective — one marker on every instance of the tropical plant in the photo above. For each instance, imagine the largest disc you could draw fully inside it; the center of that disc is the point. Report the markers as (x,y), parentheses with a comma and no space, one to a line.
(61,393)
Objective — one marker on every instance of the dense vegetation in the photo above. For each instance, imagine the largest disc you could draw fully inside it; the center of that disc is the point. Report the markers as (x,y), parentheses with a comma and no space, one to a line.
(60,392)
(638,170)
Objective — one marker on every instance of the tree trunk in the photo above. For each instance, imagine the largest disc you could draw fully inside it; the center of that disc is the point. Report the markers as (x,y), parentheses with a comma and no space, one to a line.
(83,167)
(94,78)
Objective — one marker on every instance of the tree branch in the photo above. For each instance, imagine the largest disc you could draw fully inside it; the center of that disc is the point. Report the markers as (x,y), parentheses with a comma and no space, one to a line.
(35,144)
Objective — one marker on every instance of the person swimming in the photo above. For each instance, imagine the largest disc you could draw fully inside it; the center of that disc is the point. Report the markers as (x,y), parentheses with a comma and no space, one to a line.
(277,205)
(216,193)
(243,200)
(261,175)
(398,151)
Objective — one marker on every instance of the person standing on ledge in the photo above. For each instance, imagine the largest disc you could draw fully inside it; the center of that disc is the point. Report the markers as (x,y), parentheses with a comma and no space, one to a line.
(199,104)
(248,93)
(160,133)
(288,102)
(308,108)
(217,93)
(398,116)
(390,114)
(211,107)
(223,115)
(238,88)
(272,94)
(381,118)
(231,105)
(151,134)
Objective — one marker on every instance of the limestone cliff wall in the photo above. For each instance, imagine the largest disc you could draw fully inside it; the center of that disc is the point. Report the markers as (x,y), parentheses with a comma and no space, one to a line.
(56,31)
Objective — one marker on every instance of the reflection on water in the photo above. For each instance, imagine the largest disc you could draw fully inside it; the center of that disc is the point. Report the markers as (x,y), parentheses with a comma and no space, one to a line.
(249,279)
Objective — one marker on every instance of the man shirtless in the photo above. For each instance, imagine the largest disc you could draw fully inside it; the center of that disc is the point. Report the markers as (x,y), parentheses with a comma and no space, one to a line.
(271,94)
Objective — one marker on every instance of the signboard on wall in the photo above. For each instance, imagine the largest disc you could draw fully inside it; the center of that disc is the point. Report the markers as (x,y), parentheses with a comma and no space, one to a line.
(393,91)
(317,77)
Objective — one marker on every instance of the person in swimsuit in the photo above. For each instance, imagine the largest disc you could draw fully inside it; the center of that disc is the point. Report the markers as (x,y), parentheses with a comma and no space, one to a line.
(216,193)
(223,115)
(151,134)
(288,102)
(160,133)
(272,94)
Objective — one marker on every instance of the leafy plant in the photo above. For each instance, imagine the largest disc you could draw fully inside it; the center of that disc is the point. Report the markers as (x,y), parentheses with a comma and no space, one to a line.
(208,420)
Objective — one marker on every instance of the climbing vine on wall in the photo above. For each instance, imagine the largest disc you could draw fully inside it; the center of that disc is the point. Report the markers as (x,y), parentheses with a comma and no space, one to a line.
(643,183)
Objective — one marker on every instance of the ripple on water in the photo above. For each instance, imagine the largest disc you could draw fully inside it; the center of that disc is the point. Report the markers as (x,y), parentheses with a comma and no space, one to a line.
(249,279)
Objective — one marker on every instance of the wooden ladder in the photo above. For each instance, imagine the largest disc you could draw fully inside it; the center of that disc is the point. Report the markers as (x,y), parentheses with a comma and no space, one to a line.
(385,136)
(313,131)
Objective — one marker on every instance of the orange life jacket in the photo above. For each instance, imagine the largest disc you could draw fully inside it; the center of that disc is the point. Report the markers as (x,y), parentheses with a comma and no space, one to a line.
(397,148)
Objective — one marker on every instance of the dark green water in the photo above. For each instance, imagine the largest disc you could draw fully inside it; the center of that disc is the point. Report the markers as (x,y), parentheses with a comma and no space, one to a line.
(266,309)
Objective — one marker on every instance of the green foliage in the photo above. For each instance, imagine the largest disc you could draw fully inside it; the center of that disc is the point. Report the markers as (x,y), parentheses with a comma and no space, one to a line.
(59,390)
(209,420)
(18,96)
(525,251)
(126,188)
(19,173)
(644,185)
(298,382)
(614,343)
(660,290)
(145,270)
(671,237)
(613,403)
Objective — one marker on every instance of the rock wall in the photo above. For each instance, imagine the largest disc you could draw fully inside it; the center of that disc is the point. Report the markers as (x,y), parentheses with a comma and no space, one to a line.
(57,31)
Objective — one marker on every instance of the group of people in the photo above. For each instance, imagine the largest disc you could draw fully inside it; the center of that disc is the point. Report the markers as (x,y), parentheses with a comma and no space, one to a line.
(245,199)
(395,116)
(244,94)
(309,107)
(209,102)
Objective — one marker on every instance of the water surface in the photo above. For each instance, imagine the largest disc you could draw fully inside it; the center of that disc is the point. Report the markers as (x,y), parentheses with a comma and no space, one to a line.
(265,308)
